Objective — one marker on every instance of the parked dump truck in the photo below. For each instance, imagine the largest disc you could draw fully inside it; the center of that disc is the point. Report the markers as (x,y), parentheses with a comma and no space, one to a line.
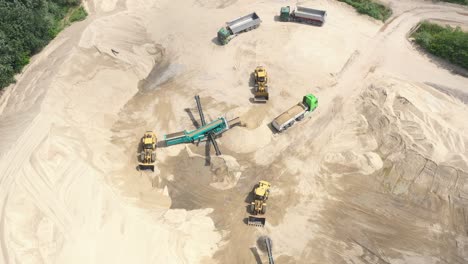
(295,113)
(303,15)
(238,25)
(261,94)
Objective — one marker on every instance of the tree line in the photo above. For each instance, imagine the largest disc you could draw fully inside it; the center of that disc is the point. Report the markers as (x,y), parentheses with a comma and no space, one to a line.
(26,26)
(370,8)
(446,42)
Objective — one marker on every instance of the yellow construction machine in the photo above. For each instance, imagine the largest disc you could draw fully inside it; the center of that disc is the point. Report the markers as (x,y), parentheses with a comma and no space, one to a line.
(261,85)
(258,206)
(148,153)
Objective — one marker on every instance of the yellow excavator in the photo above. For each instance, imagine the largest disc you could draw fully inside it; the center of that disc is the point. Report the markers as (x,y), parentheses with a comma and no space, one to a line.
(148,153)
(258,206)
(261,85)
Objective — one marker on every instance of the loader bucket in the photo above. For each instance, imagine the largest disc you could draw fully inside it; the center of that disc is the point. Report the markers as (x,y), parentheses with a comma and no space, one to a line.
(261,97)
(256,221)
(146,166)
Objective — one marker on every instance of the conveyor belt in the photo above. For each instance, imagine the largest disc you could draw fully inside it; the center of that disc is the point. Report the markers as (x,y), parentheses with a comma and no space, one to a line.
(200,110)
(234,121)
(268,246)
(206,128)
(175,135)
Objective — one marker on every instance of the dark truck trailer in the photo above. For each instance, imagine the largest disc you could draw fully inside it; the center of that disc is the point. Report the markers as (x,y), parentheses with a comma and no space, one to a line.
(303,15)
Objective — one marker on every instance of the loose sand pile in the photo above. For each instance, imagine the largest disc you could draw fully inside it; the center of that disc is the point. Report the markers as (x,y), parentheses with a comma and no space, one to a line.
(377,174)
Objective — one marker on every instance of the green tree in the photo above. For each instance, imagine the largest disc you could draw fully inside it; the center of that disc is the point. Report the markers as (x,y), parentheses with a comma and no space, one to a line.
(26,26)
(445,42)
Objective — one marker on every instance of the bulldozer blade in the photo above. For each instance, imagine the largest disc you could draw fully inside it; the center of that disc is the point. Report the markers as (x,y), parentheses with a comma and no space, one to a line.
(256,221)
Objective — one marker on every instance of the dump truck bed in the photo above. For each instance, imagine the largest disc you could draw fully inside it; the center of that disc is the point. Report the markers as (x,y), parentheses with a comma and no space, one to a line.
(242,23)
(309,13)
(289,115)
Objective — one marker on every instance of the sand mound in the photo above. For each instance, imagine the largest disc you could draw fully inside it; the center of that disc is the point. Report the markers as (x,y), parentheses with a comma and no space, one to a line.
(397,118)
(376,175)
(350,162)
(423,154)
(243,140)
(397,165)
(61,207)
(226,172)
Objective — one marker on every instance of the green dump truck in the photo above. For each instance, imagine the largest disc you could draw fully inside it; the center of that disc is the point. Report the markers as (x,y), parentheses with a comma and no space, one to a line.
(295,113)
(238,25)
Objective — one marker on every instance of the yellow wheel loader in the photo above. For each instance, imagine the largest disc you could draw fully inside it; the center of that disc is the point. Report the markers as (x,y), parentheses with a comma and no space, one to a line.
(258,206)
(261,85)
(147,157)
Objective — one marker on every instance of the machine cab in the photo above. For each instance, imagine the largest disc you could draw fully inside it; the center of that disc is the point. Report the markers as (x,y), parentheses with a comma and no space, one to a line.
(149,140)
(285,13)
(260,73)
(310,101)
(223,36)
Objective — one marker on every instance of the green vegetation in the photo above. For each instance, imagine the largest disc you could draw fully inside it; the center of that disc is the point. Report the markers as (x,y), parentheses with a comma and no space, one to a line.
(26,26)
(370,8)
(78,14)
(446,42)
(461,2)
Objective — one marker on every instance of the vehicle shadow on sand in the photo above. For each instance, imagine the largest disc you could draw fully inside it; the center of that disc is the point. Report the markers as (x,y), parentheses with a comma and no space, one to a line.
(215,41)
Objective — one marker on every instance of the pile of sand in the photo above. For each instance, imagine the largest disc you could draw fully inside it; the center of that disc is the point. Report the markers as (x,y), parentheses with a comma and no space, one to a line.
(403,146)
(58,198)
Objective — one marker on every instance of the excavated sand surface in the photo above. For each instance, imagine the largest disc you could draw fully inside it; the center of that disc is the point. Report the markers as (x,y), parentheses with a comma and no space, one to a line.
(377,174)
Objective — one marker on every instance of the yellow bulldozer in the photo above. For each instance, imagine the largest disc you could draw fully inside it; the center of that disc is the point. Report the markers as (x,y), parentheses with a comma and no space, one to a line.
(261,85)
(148,153)
(258,206)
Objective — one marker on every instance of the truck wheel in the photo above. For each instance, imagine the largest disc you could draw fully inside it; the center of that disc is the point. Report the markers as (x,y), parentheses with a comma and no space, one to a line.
(252,209)
(264,209)
(142,156)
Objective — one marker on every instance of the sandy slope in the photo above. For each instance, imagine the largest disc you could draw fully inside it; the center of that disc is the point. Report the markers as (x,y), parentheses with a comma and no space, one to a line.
(377,174)
(56,204)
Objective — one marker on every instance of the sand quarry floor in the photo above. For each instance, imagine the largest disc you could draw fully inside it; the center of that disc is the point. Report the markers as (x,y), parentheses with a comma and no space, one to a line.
(377,174)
